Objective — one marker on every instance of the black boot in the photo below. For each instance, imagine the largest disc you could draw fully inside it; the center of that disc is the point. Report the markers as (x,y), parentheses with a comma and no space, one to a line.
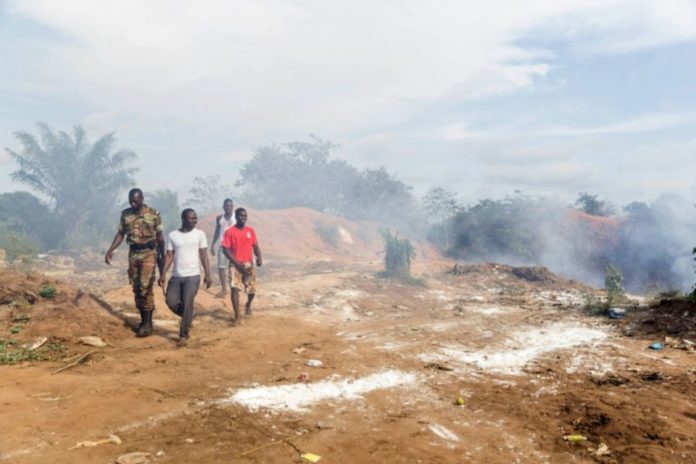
(142,320)
(145,329)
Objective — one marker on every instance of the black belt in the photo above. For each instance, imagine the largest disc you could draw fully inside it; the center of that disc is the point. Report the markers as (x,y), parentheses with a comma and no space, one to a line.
(143,246)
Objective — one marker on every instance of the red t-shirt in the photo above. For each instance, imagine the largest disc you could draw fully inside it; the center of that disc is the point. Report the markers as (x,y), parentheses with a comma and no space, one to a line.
(240,242)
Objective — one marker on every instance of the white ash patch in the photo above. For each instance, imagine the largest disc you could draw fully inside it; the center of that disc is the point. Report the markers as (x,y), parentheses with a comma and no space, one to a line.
(349,293)
(594,367)
(487,311)
(298,397)
(441,326)
(344,310)
(356,336)
(443,432)
(438,295)
(521,347)
(392,346)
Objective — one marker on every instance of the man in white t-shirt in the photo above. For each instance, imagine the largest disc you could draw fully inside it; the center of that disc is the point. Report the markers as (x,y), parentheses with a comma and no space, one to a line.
(222,223)
(187,248)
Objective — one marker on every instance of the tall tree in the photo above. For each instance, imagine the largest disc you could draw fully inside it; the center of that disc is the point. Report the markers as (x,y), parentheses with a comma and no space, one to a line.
(590,204)
(442,206)
(80,180)
(208,193)
(303,174)
(167,203)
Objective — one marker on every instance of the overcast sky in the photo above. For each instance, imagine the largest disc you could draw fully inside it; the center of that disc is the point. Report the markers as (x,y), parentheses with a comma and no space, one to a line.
(549,97)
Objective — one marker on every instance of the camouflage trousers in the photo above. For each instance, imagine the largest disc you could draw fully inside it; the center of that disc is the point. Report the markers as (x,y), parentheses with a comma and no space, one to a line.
(142,267)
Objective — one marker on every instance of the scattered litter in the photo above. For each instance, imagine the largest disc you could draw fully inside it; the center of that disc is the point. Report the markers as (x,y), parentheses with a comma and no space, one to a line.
(80,360)
(299,350)
(682,344)
(160,453)
(190,440)
(438,367)
(656,346)
(136,457)
(310,457)
(459,401)
(304,377)
(89,444)
(602,450)
(616,313)
(574,438)
(443,432)
(37,343)
(653,376)
(92,341)
(313,363)
(299,396)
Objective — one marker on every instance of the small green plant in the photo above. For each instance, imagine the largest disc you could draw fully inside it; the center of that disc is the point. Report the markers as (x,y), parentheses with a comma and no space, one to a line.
(18,248)
(328,233)
(15,329)
(670,294)
(613,284)
(47,291)
(398,254)
(12,353)
(594,306)
(21,318)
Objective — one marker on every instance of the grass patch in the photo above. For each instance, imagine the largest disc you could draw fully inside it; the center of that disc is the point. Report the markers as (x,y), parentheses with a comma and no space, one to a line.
(47,291)
(11,352)
(595,306)
(21,318)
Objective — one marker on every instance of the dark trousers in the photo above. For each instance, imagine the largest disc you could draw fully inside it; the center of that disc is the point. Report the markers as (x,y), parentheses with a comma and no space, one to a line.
(180,294)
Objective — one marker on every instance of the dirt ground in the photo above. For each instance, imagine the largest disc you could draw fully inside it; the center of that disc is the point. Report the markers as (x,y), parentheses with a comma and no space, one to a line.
(512,346)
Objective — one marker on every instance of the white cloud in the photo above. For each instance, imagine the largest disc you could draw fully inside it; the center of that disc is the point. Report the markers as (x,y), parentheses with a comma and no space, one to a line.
(283,67)
(644,123)
(214,78)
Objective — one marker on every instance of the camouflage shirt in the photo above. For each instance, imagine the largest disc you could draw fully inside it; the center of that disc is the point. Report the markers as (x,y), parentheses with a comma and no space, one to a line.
(140,228)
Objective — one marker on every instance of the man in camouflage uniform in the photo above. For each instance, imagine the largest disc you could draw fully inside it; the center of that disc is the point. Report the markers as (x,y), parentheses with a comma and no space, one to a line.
(142,227)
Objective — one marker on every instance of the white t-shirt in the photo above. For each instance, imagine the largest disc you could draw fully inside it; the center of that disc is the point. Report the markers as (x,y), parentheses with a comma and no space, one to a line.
(185,246)
(224,225)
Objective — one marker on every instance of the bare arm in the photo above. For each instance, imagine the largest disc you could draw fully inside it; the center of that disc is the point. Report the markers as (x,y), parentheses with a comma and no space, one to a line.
(160,252)
(168,258)
(206,267)
(216,236)
(230,256)
(257,252)
(116,242)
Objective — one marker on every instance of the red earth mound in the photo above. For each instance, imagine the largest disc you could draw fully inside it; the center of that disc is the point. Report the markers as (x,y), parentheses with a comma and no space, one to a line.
(308,234)
(64,312)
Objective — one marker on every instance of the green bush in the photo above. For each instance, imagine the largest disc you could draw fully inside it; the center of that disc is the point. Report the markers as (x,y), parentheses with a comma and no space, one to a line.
(47,291)
(17,247)
(594,306)
(398,254)
(613,284)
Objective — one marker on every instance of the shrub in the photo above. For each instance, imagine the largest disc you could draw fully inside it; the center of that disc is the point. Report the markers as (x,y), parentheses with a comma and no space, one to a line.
(47,291)
(398,254)
(613,284)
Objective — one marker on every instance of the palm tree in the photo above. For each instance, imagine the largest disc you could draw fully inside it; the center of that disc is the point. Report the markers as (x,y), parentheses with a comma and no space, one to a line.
(80,180)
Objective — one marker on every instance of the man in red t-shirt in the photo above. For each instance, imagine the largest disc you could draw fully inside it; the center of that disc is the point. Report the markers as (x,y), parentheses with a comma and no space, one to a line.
(239,245)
